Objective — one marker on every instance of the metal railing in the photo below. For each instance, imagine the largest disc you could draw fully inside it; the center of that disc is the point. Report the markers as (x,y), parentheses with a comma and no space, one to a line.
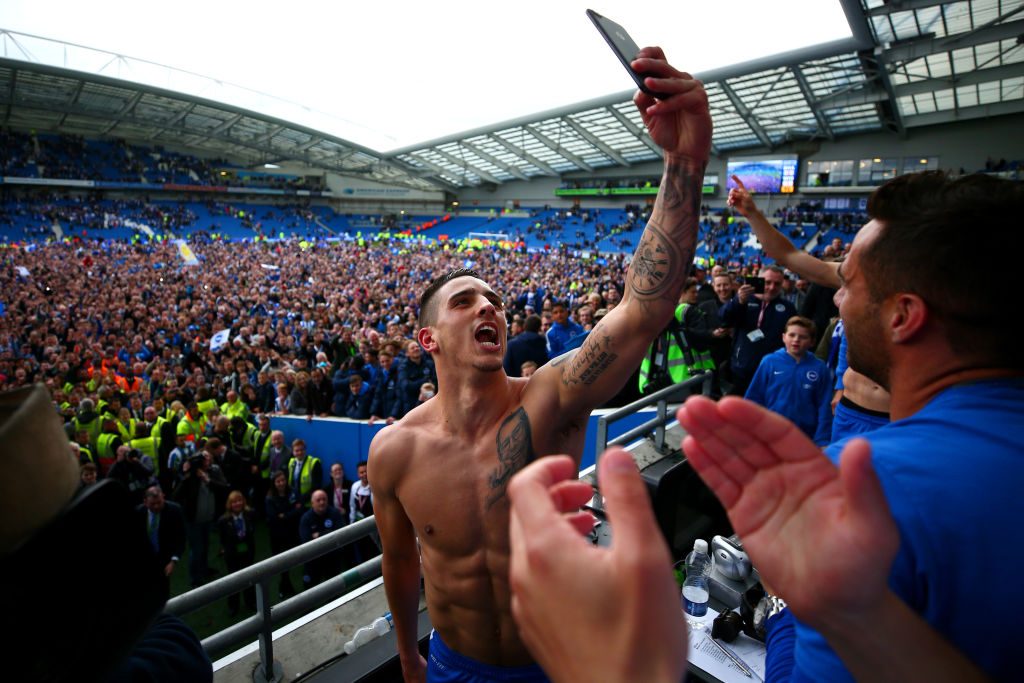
(260,575)
(657,424)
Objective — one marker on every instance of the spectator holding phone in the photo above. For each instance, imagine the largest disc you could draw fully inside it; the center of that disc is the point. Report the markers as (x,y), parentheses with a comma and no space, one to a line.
(758,321)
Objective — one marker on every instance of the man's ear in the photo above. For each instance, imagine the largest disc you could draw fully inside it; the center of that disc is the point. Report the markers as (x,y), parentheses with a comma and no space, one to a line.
(907,317)
(426,339)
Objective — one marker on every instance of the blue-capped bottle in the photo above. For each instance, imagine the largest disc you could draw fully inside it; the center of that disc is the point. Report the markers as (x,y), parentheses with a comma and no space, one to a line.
(697,586)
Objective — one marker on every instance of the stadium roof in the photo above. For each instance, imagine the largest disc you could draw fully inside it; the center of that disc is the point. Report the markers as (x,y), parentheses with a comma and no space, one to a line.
(909,63)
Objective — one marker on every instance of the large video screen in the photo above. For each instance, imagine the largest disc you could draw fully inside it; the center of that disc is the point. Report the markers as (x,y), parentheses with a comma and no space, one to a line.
(764,174)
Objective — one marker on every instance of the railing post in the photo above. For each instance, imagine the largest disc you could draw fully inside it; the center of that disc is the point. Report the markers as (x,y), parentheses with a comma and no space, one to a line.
(659,433)
(268,671)
(601,442)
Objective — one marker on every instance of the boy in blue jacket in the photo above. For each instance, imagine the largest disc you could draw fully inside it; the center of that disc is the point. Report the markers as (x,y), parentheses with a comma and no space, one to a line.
(795,383)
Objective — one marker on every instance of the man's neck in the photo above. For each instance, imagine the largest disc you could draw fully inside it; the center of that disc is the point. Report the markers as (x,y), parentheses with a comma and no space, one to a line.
(914,385)
(796,357)
(472,400)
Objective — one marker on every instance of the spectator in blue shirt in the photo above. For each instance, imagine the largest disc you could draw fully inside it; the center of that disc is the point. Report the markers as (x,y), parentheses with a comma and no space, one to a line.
(795,383)
(360,398)
(561,331)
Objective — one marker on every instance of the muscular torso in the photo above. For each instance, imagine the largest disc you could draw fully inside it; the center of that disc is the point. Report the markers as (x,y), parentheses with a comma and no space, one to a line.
(453,490)
(864,392)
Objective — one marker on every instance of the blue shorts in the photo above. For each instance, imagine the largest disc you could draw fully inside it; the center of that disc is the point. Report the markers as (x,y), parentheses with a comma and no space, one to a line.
(850,420)
(445,665)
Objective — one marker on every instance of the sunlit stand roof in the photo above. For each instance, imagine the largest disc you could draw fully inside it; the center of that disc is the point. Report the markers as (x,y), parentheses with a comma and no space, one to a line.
(910,63)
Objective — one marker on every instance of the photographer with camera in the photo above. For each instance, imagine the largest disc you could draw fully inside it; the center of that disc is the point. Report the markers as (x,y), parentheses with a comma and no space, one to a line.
(759,321)
(200,493)
(134,470)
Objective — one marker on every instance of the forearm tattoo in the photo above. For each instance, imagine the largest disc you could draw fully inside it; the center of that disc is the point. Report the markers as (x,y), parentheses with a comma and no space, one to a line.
(662,261)
(588,364)
(515,451)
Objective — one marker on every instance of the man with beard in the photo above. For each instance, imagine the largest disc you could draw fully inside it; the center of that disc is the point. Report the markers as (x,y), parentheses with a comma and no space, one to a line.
(878,556)
(483,426)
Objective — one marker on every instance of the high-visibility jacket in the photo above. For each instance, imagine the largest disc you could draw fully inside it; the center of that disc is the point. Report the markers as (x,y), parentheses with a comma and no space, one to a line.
(681,362)
(148,446)
(206,406)
(128,385)
(155,431)
(106,451)
(261,450)
(236,409)
(306,483)
(127,431)
(192,429)
(85,455)
(92,427)
(248,439)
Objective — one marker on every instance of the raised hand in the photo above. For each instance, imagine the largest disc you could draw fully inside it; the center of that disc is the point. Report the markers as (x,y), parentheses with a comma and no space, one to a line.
(821,536)
(618,605)
(740,199)
(681,123)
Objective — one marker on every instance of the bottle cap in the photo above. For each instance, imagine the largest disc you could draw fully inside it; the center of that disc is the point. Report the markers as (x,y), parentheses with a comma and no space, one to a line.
(700,545)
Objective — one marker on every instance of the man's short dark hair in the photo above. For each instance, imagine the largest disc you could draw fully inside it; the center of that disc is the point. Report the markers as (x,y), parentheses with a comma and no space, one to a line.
(427,309)
(931,225)
(532,323)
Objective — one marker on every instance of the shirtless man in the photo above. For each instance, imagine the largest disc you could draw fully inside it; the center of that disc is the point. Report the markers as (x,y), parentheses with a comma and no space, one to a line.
(440,474)
(864,403)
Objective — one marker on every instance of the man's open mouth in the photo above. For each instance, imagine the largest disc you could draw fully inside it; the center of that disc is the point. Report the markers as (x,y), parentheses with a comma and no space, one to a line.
(487,335)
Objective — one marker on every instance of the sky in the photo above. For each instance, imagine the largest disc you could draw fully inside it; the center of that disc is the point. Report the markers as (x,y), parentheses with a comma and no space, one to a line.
(388,74)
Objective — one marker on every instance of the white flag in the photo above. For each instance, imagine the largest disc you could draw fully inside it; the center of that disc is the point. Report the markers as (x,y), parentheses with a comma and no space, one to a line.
(219,340)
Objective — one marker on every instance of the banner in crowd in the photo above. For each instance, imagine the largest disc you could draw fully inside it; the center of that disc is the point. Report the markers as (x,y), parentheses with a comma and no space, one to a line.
(186,253)
(219,340)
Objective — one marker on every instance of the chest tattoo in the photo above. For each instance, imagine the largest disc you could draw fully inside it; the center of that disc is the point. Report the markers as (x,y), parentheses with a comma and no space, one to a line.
(515,451)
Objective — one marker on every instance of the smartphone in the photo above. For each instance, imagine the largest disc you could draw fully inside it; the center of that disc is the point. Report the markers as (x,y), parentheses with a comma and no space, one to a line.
(757,283)
(624,47)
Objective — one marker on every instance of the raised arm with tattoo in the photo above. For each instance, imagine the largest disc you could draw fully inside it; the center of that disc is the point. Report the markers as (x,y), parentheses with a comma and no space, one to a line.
(681,125)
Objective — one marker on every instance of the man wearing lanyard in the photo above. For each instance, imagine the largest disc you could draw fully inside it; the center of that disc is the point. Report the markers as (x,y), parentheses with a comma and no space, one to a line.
(759,321)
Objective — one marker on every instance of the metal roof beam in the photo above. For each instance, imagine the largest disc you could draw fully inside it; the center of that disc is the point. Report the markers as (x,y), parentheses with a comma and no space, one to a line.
(903,6)
(887,107)
(854,11)
(544,168)
(596,141)
(268,136)
(174,121)
(746,114)
(995,73)
(507,168)
(980,111)
(805,88)
(484,175)
(10,94)
(72,101)
(309,143)
(640,132)
(128,107)
(226,125)
(438,170)
(558,149)
(929,45)
(868,93)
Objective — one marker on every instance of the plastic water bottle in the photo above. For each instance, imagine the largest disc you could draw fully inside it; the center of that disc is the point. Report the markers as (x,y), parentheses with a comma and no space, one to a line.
(697,586)
(379,627)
